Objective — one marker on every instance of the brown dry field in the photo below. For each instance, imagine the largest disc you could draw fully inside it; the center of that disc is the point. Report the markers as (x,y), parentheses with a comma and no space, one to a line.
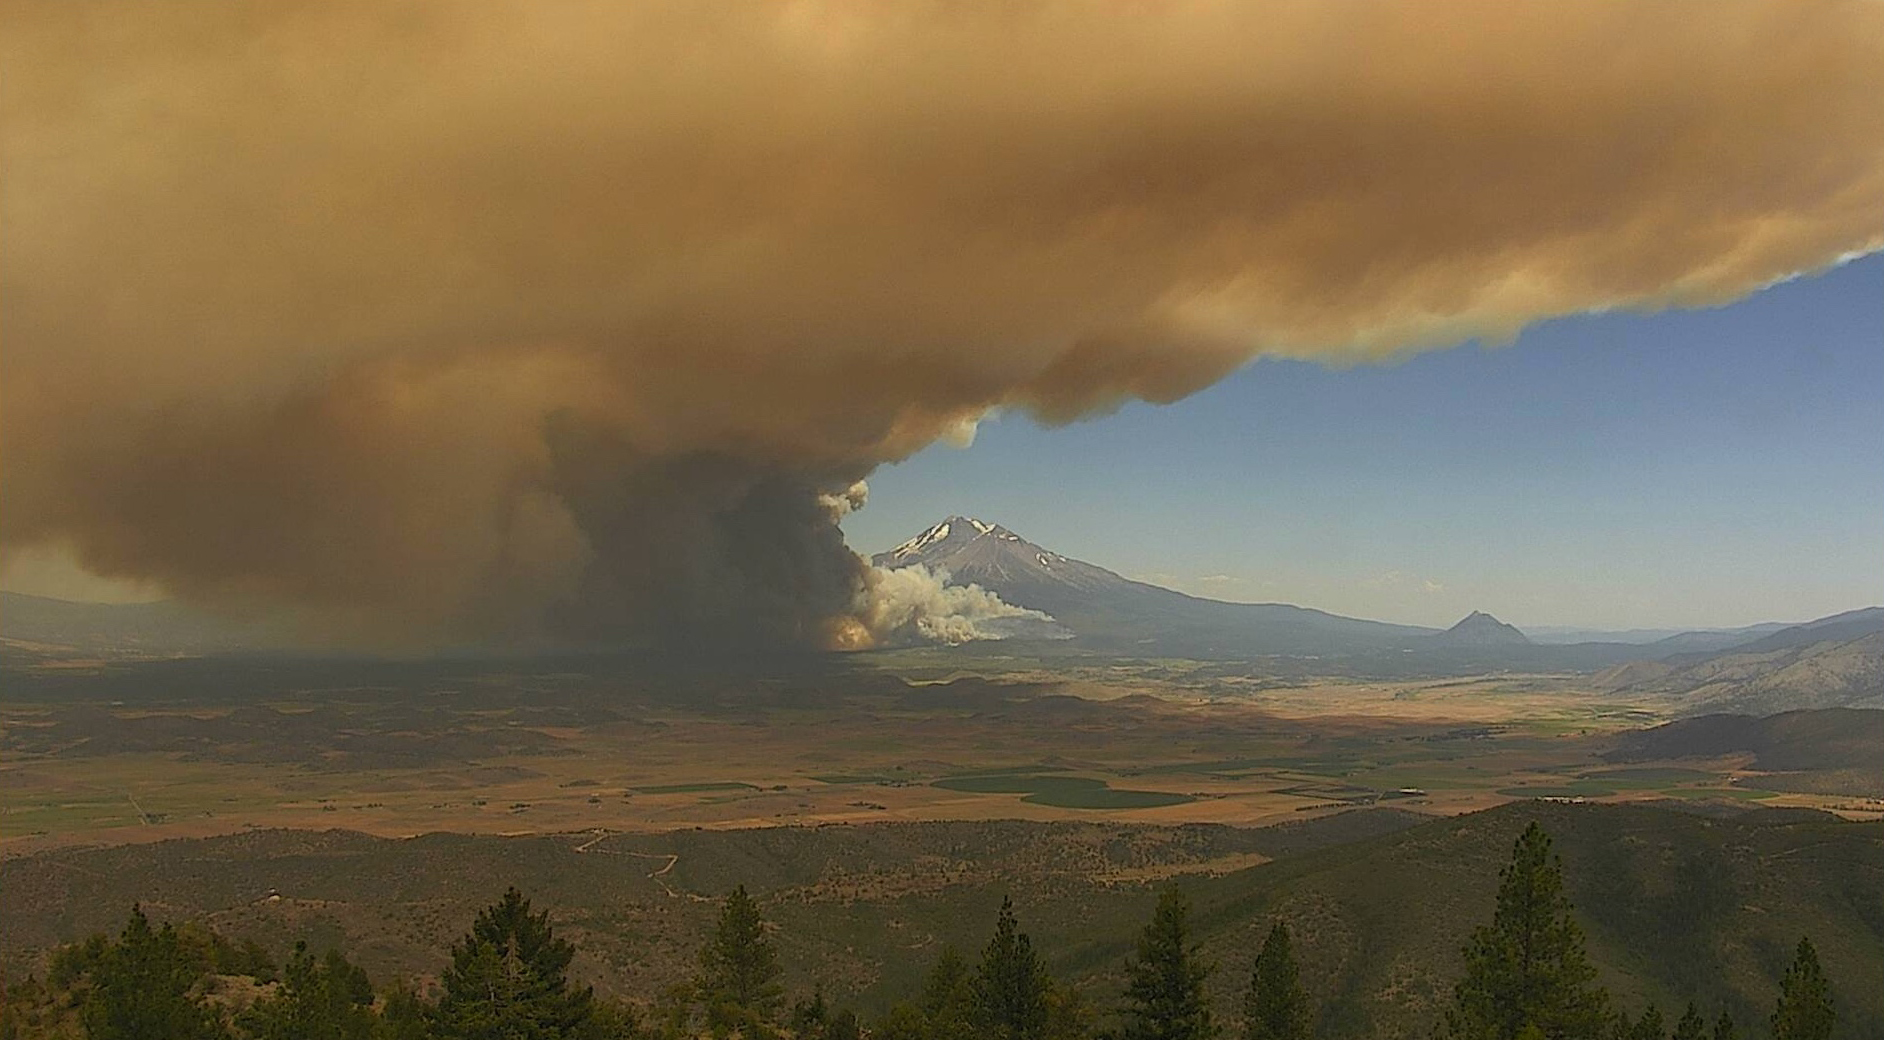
(1244,753)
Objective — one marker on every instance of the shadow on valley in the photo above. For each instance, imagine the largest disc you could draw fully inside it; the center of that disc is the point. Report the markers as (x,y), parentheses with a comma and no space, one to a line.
(734,681)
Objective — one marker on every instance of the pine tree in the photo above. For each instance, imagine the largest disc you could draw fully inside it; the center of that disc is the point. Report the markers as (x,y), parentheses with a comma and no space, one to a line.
(509,978)
(948,998)
(1011,985)
(1804,1011)
(1165,992)
(1691,1026)
(1724,1028)
(945,1010)
(1528,967)
(325,999)
(1275,1007)
(144,985)
(739,970)
(1650,1026)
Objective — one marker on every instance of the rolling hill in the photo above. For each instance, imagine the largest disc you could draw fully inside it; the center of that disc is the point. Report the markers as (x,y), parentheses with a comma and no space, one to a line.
(1833,662)
(1832,750)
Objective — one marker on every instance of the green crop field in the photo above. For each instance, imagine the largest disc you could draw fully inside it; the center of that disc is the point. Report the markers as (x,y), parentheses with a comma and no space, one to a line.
(1064,792)
(699,788)
(1558,791)
(1100,796)
(1649,777)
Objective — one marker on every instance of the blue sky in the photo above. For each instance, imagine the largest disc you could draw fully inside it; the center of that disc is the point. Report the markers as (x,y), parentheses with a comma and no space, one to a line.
(1680,468)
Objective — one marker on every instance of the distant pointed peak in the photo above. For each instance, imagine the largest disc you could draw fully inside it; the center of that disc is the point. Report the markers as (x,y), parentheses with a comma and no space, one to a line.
(1480,627)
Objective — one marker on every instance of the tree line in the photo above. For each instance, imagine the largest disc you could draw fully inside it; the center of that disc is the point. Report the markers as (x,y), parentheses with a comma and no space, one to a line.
(1526,976)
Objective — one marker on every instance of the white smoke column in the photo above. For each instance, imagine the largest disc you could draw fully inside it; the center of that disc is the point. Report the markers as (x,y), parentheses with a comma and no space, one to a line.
(915,604)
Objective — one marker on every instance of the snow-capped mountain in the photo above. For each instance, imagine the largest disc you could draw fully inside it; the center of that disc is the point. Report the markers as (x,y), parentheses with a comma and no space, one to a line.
(1112,614)
(1107,610)
(995,558)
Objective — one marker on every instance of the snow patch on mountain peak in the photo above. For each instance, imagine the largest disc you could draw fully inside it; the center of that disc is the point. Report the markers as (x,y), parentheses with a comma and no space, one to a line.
(921,541)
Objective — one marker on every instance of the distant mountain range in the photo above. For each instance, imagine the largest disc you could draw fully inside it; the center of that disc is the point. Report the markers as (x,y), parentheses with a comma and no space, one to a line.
(1836,661)
(1663,640)
(1110,613)
(1107,611)
(1762,668)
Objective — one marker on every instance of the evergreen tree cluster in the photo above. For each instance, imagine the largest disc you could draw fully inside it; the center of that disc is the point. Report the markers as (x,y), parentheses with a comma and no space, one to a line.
(1526,976)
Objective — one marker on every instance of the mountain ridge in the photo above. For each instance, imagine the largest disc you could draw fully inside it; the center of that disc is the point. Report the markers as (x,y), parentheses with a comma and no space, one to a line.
(1110,613)
(1107,610)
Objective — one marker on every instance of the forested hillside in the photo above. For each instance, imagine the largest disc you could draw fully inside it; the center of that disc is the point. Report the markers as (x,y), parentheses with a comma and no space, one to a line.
(1669,909)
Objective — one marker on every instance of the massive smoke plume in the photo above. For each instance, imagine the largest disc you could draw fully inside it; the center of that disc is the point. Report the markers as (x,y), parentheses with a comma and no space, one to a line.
(581,321)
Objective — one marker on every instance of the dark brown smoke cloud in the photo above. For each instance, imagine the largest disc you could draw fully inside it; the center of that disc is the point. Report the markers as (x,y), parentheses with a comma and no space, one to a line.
(549,321)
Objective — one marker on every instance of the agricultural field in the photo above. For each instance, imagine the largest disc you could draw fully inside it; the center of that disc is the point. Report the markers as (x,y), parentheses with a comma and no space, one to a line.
(151,751)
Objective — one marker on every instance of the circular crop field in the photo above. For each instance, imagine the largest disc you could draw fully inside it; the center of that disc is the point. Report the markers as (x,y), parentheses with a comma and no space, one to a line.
(1064,792)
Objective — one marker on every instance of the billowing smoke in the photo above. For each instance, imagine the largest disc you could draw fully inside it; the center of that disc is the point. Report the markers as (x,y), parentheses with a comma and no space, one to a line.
(524,321)
(916,605)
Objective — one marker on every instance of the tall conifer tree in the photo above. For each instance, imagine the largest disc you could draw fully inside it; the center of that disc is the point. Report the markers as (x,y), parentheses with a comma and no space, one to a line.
(319,999)
(144,985)
(1804,1011)
(1275,1006)
(1165,994)
(509,978)
(1011,986)
(948,998)
(739,970)
(1528,967)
